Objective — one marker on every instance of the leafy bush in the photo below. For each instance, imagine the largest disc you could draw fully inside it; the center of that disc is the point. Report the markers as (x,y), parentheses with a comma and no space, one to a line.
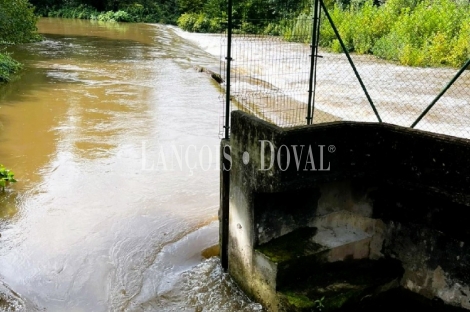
(299,30)
(412,32)
(129,13)
(186,21)
(119,16)
(17,22)
(6,177)
(435,32)
(274,29)
(106,16)
(8,66)
(199,22)
(83,11)
(122,16)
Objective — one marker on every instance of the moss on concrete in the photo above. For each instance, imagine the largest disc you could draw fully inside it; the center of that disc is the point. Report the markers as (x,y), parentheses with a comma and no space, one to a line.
(299,300)
(340,283)
(338,300)
(296,244)
(330,300)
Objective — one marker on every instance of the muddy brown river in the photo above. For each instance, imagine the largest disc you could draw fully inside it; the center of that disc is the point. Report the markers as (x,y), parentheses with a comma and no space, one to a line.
(113,137)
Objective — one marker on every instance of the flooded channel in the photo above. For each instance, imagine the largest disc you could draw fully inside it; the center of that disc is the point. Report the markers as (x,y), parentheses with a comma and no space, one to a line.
(270,78)
(113,137)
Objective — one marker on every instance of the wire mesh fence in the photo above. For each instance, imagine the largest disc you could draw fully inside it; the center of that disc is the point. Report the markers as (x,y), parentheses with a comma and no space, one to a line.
(268,78)
(271,77)
(400,94)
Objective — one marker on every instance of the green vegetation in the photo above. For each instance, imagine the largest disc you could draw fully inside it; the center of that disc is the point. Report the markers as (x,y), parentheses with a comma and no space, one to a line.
(200,22)
(299,300)
(147,11)
(17,25)
(412,32)
(6,177)
(249,16)
(132,13)
(291,246)
(17,22)
(302,302)
(8,66)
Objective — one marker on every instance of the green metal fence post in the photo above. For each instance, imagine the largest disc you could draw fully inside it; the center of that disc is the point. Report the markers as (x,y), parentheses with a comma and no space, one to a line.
(443,91)
(343,46)
(313,61)
(229,60)
(225,149)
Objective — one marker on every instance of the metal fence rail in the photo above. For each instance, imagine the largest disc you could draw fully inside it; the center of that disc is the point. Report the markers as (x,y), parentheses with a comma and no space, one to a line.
(278,80)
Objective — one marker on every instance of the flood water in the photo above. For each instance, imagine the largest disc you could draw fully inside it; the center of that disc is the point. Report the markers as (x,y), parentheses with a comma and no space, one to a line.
(113,137)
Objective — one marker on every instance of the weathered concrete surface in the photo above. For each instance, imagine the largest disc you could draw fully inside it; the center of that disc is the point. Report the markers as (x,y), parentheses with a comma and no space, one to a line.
(404,194)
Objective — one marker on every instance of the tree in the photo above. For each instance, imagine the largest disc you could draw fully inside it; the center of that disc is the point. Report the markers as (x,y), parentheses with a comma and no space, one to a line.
(17,21)
(17,24)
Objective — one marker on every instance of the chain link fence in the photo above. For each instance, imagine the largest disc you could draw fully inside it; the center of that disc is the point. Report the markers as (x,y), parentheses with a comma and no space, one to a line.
(276,78)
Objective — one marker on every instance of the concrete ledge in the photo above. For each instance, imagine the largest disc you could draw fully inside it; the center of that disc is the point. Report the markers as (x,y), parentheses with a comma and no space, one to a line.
(384,181)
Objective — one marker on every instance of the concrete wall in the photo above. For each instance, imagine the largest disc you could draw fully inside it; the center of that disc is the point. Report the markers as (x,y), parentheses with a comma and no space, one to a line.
(413,185)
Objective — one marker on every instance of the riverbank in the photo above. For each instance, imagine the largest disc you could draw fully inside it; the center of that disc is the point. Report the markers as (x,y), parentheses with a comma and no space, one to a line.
(135,13)
(415,33)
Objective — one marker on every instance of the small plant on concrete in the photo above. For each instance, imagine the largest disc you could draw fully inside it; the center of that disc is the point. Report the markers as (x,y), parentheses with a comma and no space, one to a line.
(6,176)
